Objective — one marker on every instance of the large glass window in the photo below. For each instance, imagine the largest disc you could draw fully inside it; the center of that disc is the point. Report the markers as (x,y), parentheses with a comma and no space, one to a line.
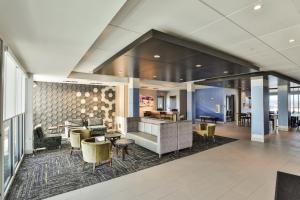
(7,151)
(16,140)
(14,112)
(295,92)
(273,103)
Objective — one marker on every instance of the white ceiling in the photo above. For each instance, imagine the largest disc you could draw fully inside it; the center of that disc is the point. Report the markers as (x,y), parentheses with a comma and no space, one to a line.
(261,36)
(50,36)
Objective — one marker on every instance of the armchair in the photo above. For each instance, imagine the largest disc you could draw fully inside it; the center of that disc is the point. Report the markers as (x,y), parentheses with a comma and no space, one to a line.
(48,141)
(76,136)
(96,152)
(207,131)
(96,126)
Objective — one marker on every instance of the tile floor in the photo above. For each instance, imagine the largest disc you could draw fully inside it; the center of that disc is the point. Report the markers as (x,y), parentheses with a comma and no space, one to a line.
(238,170)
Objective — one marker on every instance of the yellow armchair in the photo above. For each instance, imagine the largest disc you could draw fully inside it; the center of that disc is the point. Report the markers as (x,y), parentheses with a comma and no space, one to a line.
(207,131)
(76,136)
(96,152)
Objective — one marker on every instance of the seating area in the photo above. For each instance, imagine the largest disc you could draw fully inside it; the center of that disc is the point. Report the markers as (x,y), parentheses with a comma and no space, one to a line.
(95,163)
(95,125)
(97,90)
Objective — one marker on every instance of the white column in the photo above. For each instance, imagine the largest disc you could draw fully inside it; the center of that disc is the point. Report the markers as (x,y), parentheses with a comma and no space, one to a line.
(259,108)
(133,97)
(29,115)
(191,107)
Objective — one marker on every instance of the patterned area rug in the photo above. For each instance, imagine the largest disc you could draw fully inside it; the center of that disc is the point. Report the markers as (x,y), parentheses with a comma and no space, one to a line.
(54,172)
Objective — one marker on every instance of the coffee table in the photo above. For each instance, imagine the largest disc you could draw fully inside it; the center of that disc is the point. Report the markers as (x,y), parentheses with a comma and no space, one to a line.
(123,145)
(112,137)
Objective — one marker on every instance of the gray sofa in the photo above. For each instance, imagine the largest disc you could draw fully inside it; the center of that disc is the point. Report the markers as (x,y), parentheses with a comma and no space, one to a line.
(96,126)
(160,136)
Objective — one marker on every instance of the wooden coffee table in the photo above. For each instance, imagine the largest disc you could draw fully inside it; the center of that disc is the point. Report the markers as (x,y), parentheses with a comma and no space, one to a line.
(123,145)
(112,137)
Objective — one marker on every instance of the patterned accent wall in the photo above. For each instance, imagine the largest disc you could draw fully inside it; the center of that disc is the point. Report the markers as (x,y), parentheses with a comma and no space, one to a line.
(54,103)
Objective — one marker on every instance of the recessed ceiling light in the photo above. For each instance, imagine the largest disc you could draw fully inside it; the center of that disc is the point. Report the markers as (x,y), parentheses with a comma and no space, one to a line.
(156,56)
(225,72)
(257,7)
(292,40)
(198,65)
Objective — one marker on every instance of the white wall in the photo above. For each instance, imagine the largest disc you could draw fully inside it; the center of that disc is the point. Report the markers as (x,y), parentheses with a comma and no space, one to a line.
(173,93)
(121,107)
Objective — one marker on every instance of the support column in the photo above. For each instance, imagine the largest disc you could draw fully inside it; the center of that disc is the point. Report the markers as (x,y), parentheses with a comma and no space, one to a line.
(259,108)
(29,115)
(191,106)
(133,97)
(284,105)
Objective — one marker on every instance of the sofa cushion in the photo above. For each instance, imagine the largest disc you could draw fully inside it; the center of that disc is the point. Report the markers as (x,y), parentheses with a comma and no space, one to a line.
(100,127)
(76,122)
(95,121)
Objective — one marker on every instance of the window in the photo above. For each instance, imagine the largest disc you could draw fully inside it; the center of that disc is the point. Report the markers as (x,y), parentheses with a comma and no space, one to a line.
(295,100)
(273,103)
(7,152)
(160,103)
(13,116)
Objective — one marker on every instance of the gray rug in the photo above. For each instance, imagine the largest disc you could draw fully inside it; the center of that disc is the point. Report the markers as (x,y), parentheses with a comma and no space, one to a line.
(54,172)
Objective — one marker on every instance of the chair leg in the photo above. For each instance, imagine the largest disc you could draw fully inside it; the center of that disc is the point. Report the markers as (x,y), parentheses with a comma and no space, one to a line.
(110,162)
(83,164)
(71,151)
(214,140)
(94,166)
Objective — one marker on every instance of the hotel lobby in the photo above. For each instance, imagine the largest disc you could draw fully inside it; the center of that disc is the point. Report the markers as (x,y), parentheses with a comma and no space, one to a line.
(108,99)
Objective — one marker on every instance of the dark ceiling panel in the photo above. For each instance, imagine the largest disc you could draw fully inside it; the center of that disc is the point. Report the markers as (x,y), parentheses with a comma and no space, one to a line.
(177,62)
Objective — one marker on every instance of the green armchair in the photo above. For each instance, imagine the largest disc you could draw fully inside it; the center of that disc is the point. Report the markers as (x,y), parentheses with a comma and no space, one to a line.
(207,131)
(76,136)
(96,152)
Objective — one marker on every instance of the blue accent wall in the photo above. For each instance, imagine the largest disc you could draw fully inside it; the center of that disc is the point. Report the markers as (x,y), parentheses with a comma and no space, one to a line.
(206,101)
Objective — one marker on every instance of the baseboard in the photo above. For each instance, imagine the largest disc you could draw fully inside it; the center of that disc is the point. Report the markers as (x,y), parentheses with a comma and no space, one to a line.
(258,138)
(283,128)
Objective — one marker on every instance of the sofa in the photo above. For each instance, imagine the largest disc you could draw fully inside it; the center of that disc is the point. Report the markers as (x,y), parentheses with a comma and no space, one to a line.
(42,140)
(96,126)
(72,124)
(160,136)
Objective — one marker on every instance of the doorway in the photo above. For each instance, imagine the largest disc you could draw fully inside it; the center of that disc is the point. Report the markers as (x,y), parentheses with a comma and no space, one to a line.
(230,117)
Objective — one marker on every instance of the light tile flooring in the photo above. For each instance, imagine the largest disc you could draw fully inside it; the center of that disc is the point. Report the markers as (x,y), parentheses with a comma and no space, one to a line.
(238,170)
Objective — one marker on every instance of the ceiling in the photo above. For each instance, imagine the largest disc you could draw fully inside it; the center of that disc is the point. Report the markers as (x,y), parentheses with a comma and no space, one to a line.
(50,37)
(242,83)
(259,36)
(178,60)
